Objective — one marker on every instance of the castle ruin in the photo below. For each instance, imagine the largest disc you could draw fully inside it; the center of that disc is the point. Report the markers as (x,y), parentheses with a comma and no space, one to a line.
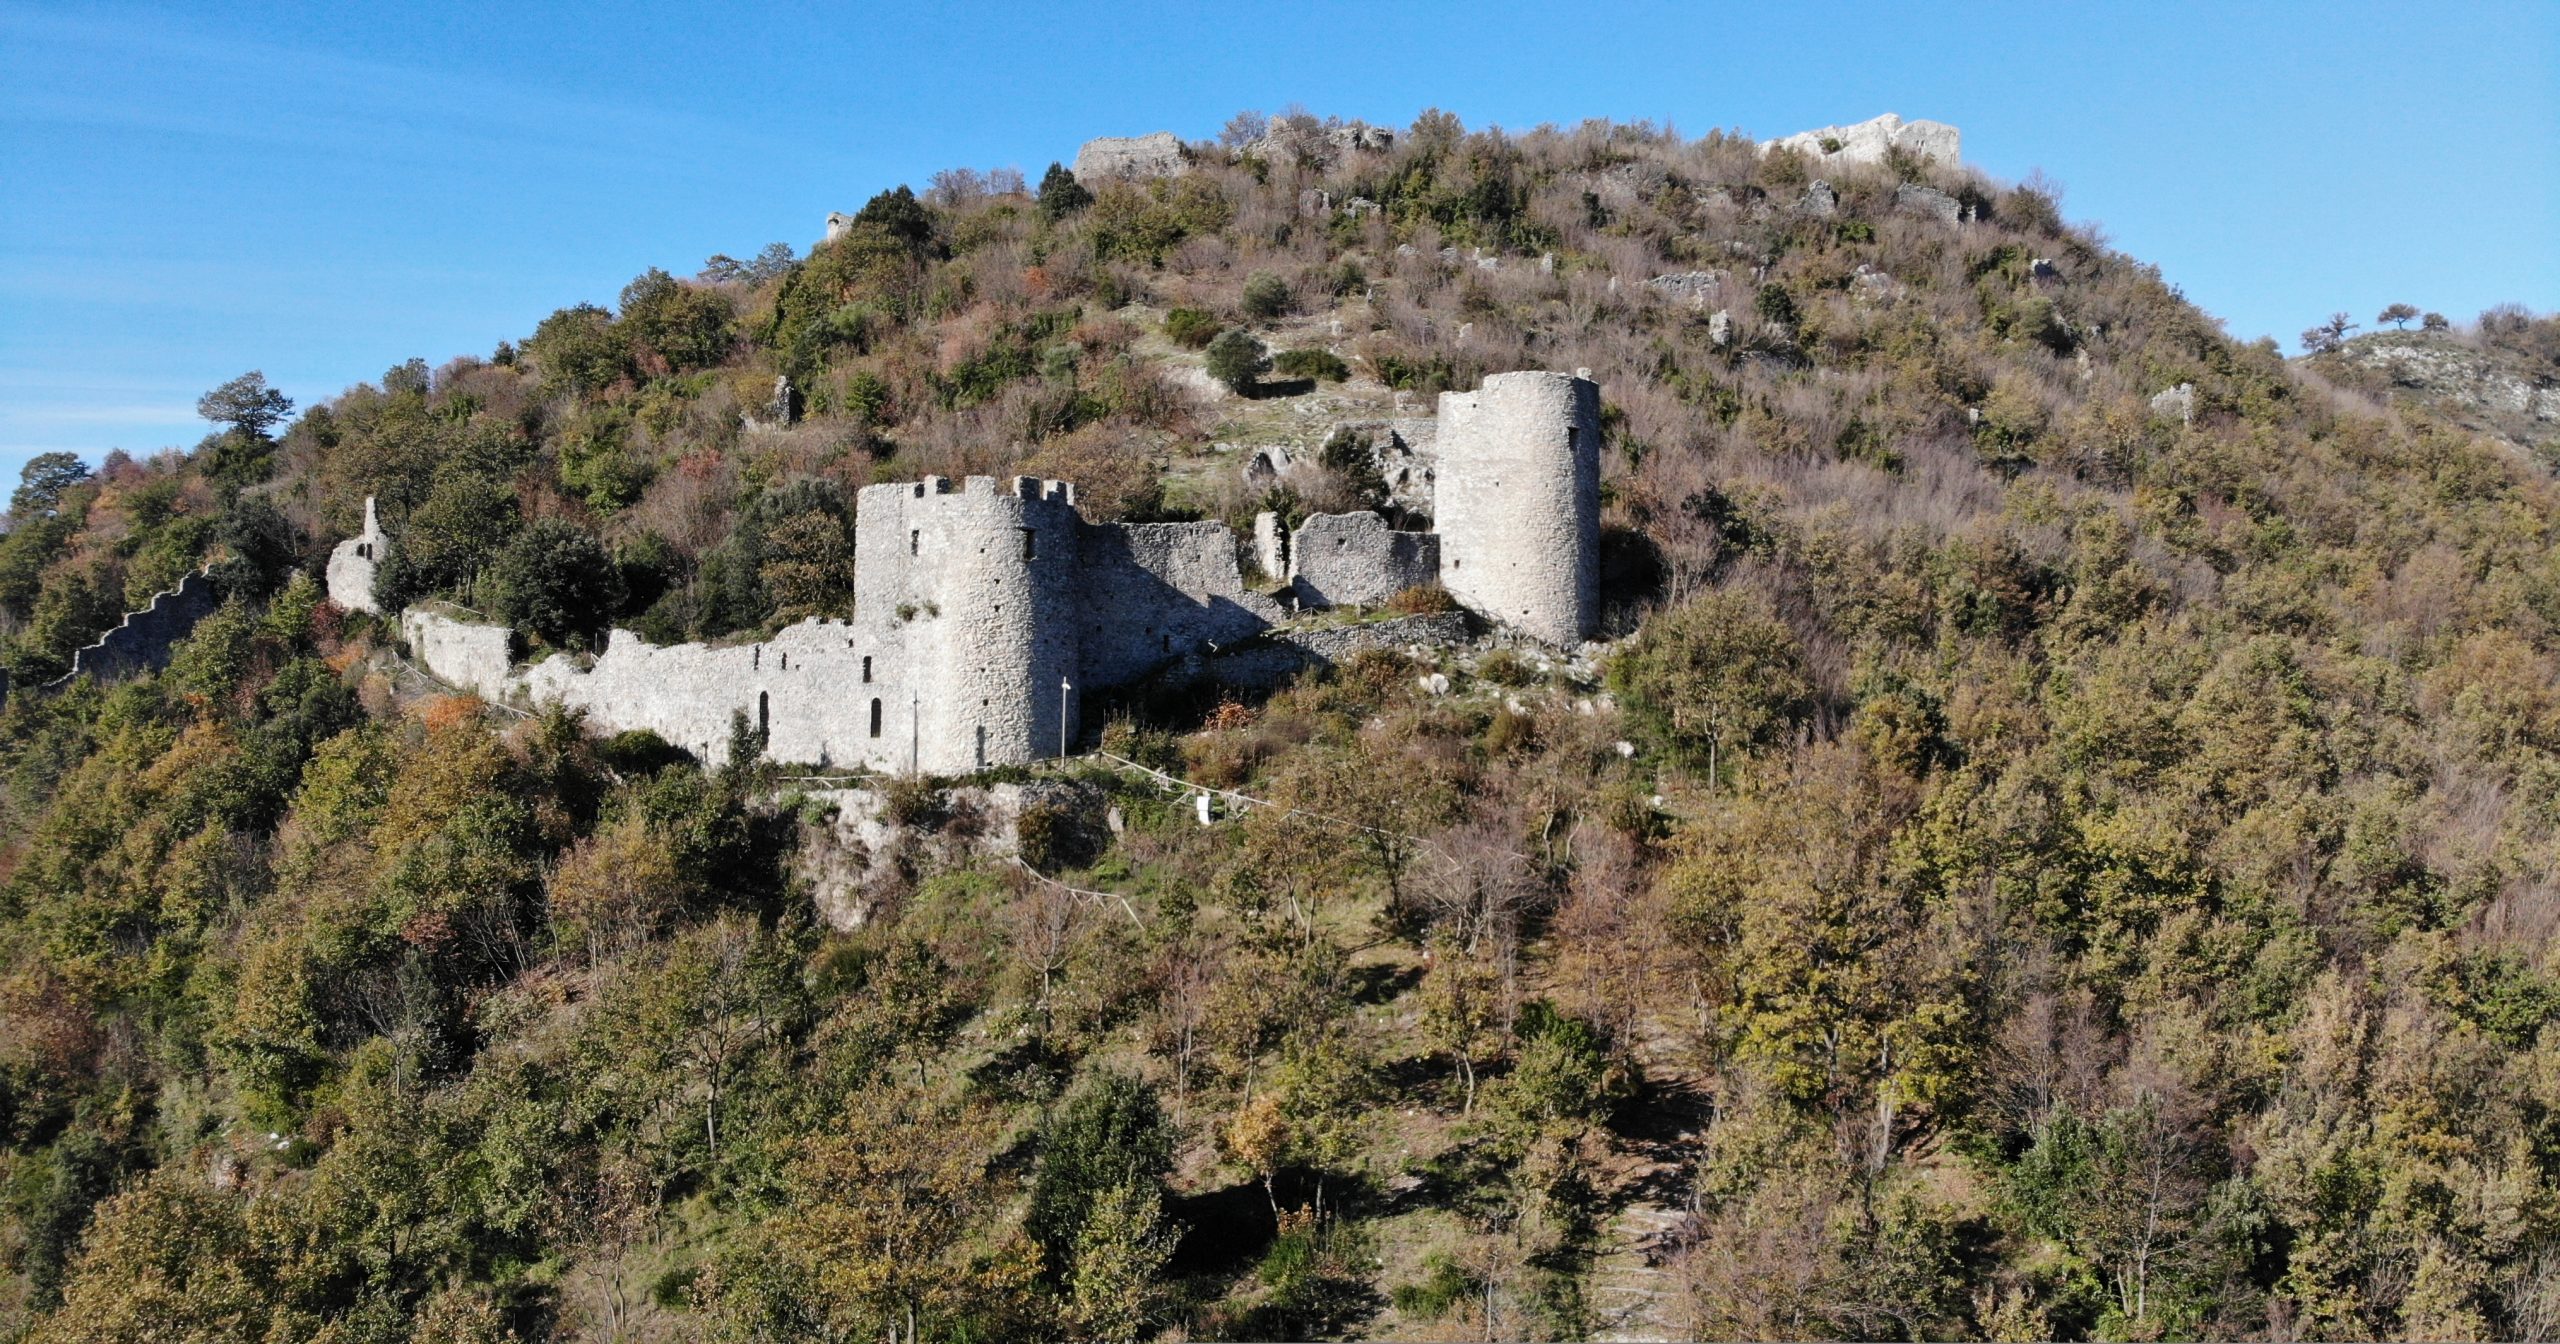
(986,610)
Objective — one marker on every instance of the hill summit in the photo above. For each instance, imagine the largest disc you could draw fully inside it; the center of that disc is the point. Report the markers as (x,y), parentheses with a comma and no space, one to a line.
(2036,819)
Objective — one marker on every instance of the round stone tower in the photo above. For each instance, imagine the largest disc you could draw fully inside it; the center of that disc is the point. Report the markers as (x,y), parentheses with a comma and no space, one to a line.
(966,605)
(1517,502)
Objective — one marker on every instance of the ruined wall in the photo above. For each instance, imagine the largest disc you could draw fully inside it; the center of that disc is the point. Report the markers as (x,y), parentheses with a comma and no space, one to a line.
(1355,559)
(800,688)
(1152,592)
(1137,156)
(354,562)
(143,641)
(1518,502)
(465,654)
(972,597)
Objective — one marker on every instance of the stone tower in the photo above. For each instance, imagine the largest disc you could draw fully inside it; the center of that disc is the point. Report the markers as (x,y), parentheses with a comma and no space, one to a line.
(966,612)
(1517,502)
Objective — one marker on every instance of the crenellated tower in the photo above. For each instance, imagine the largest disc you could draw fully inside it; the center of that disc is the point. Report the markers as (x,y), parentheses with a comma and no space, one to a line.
(966,610)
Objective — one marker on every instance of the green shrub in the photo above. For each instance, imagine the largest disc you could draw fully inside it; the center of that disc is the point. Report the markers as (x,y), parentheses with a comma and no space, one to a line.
(1237,360)
(1191,328)
(1266,296)
(1318,364)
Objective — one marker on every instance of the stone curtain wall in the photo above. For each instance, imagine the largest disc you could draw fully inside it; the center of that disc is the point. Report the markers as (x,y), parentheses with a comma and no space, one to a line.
(1355,559)
(800,688)
(143,641)
(1519,502)
(463,654)
(1154,592)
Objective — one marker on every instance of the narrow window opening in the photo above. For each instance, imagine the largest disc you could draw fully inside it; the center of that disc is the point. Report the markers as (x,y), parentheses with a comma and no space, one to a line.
(866,680)
(875,718)
(915,540)
(982,746)
(1168,643)
(1030,544)
(755,657)
(764,713)
(786,662)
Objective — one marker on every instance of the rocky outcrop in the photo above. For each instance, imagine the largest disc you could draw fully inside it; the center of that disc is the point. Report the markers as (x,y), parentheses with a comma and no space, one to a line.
(1137,156)
(1695,288)
(1928,202)
(2492,391)
(1292,140)
(2177,403)
(1870,141)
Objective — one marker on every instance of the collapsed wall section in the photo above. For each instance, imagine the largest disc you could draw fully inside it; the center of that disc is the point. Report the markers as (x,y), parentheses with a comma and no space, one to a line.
(1355,559)
(1518,502)
(354,562)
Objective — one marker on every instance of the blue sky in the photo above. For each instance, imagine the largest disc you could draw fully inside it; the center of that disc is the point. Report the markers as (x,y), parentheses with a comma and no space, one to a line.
(323,190)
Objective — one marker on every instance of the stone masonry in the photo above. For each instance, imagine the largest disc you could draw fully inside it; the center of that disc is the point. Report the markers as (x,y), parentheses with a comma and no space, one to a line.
(1519,502)
(354,562)
(985,612)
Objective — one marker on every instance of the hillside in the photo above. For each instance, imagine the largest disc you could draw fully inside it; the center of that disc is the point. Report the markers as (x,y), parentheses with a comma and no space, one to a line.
(2023,864)
(2502,379)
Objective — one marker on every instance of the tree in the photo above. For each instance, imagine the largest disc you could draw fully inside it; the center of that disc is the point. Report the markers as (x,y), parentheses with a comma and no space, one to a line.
(673,327)
(576,351)
(1460,995)
(1109,1135)
(41,483)
(2397,315)
(874,1241)
(1120,1254)
(246,404)
(1237,360)
(1718,674)
(1243,129)
(2435,322)
(556,580)
(2329,335)
(1060,194)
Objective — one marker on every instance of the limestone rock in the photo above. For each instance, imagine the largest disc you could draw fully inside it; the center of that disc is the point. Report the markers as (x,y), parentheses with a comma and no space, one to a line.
(1294,141)
(1720,328)
(2179,401)
(838,224)
(1868,141)
(1911,198)
(2044,272)
(1137,156)
(1266,464)
(1869,283)
(2492,390)
(1691,287)
(1819,200)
